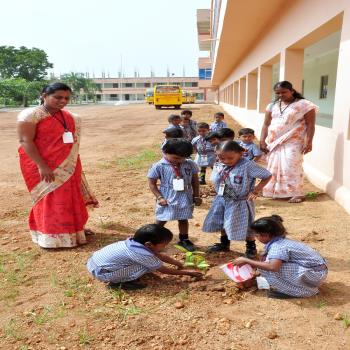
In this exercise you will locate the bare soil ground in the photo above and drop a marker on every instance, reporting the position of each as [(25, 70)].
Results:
[(49, 301)]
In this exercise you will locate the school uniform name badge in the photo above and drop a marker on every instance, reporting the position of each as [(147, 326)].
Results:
[(203, 159), (178, 184), (221, 189), (68, 137)]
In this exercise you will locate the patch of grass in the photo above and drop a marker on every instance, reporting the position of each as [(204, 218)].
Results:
[(84, 337), (76, 286), (13, 330), (10, 295), (54, 279), (24, 347), (105, 165), (130, 310), (119, 294), (346, 321), (47, 314), (321, 304), (12, 269), (144, 158)]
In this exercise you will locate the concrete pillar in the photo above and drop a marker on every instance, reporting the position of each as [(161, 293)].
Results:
[(236, 93), (251, 90), (242, 92), (264, 87), (291, 67), (341, 117)]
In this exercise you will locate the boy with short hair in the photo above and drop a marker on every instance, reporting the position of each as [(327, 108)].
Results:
[(218, 123), (226, 134), (252, 151), (174, 121)]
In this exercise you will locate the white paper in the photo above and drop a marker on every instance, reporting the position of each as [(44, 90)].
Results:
[(262, 283)]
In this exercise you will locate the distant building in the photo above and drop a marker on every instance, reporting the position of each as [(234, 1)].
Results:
[(133, 89), (253, 44)]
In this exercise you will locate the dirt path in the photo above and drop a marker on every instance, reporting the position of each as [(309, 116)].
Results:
[(48, 300)]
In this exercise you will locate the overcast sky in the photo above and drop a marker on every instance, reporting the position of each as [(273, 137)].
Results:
[(96, 35)]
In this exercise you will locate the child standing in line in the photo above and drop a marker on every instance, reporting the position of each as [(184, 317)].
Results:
[(292, 269), (171, 133), (252, 151), (218, 123), (205, 151), (174, 121), (186, 113), (188, 130), (178, 190), (233, 210), (226, 134), (120, 264)]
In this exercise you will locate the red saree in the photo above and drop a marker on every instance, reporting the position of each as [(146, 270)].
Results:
[(59, 213)]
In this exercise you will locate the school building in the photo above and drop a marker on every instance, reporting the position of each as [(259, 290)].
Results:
[(133, 89), (253, 44)]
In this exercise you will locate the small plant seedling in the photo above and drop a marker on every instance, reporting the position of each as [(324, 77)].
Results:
[(194, 259)]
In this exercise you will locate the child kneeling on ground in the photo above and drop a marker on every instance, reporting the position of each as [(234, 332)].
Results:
[(120, 264), (292, 269)]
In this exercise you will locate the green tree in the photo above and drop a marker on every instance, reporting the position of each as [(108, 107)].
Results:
[(80, 85), (29, 64), (20, 90)]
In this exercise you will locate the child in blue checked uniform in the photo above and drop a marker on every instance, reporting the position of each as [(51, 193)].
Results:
[(232, 210), (174, 121), (292, 269), (171, 133), (205, 151), (120, 264), (218, 123), (178, 190), (252, 151)]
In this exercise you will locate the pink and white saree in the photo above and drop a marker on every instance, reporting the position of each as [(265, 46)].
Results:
[(285, 140)]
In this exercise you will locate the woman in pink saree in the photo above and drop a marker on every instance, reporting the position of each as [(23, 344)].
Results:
[(51, 168), (286, 136)]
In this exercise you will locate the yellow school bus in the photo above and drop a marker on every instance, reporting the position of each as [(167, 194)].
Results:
[(185, 97), (149, 96), (167, 96), (191, 97)]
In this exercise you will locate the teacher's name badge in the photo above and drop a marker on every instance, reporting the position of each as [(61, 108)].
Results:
[(68, 137), (178, 185)]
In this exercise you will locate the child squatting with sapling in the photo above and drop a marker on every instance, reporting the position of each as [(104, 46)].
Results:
[(122, 263)]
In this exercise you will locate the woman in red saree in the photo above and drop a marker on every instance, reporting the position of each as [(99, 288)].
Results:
[(286, 136), (51, 167)]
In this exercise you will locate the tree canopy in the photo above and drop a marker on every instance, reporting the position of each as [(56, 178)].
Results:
[(29, 64)]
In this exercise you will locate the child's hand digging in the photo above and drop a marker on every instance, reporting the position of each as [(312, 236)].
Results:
[(193, 273)]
